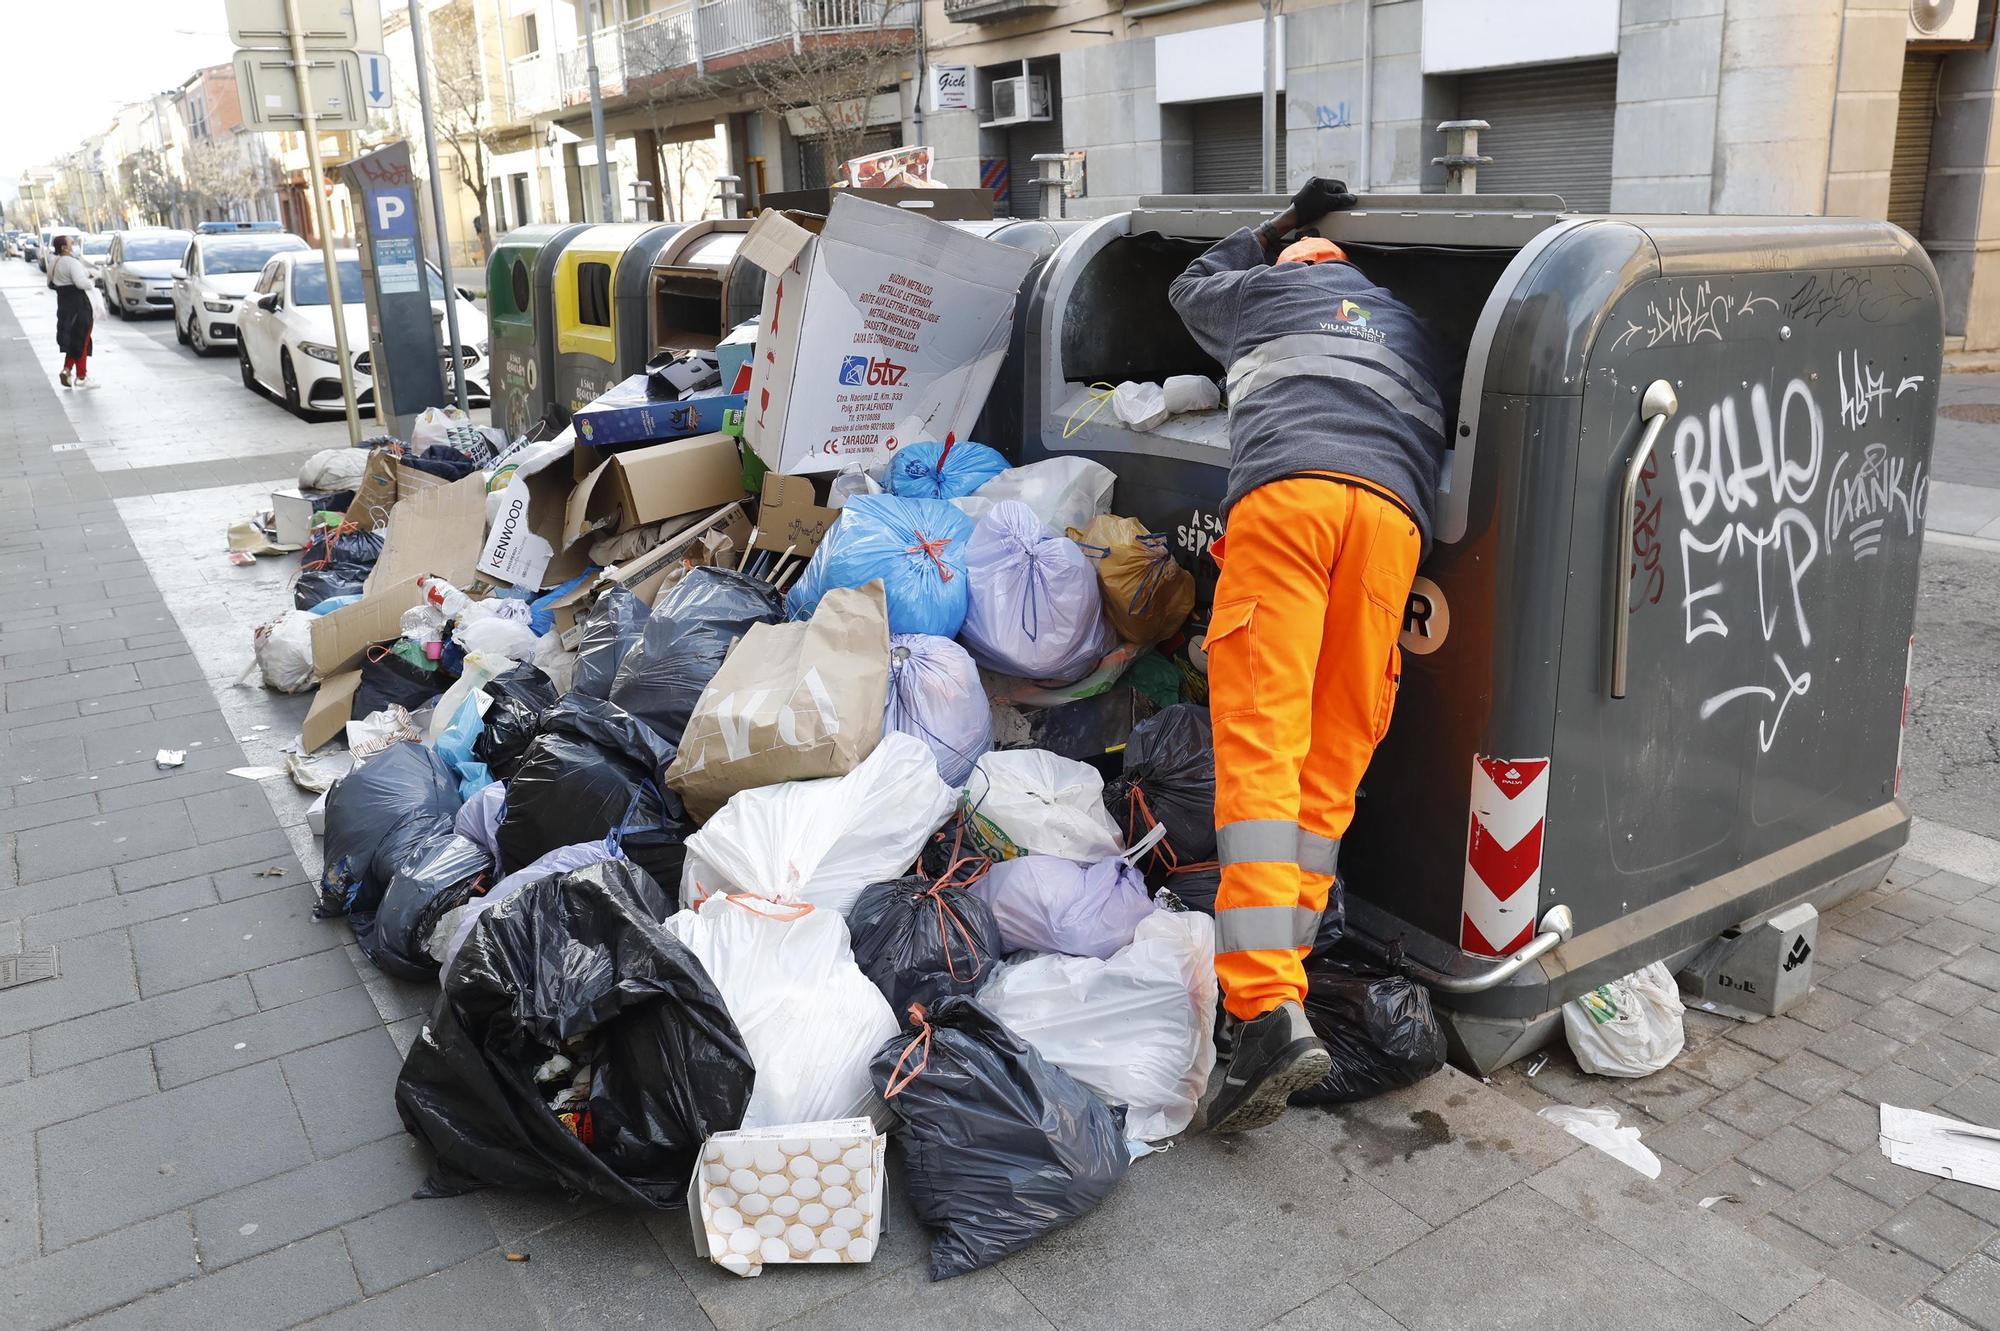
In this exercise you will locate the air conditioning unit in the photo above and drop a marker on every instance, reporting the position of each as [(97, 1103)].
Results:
[(1020, 100), (1942, 20)]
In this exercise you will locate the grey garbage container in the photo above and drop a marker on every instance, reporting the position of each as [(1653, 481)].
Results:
[(1763, 562)]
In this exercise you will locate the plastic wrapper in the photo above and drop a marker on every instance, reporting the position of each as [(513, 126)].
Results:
[(1044, 904), (590, 768), (284, 652), (387, 680), (1629, 1027), (1147, 594), (575, 965), (456, 924), (611, 628), (822, 841), (478, 819), (914, 547), (1378, 1026), (447, 872), (1044, 804), (935, 694), (1001, 1146), (1064, 492), (809, 1017), (1169, 780), (942, 471), (376, 817), (520, 696), (920, 940), (1034, 608), (690, 631), (1137, 1028)]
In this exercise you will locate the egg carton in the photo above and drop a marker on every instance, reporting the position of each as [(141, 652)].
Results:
[(801, 1192)]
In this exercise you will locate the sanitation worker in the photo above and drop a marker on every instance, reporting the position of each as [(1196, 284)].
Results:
[(1337, 434)]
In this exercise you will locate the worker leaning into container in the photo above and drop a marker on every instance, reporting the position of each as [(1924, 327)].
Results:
[(1337, 432)]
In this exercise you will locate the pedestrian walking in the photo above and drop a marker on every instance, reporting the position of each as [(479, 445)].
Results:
[(1337, 435), (75, 316)]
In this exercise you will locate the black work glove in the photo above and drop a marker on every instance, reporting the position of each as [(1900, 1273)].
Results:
[(1319, 197)]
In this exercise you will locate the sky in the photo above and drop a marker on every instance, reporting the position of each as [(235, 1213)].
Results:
[(63, 77)]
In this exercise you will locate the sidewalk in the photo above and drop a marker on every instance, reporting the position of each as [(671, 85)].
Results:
[(196, 1124)]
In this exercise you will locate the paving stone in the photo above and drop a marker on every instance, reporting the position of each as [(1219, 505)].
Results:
[(263, 1294), (1835, 952), (1884, 1272), (1823, 1009), (1757, 1108), (260, 1035), (1808, 1076), (1935, 1232), (1971, 1292), (153, 1155), (1916, 907), (1723, 1064), (1788, 1238), (1754, 1281), (1774, 1038), (1944, 1059), (1981, 966), (1953, 887), (1892, 1185), (1835, 1307), (415, 1238), (344, 1088), (1833, 1212), (93, 973), (13, 1059), (485, 1292), (1865, 983), (116, 910), (1946, 993), (89, 1277), (1750, 1194), (1909, 958), (1906, 870), (1967, 1197), (327, 1193), (27, 816), (1902, 1020), (136, 1025), (1979, 1027), (20, 1226), (1947, 935), (26, 1106), (1928, 1315), (1667, 1096), (604, 1271), (238, 811), (255, 879), (236, 936), (1697, 1141), (1428, 1285), (264, 848), (1873, 926), (301, 978), (1894, 1084), (71, 686), (1792, 1156), (1978, 1101), (1979, 917)]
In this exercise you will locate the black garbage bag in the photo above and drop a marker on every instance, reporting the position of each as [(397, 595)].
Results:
[(336, 561), (611, 628), (520, 696), (1194, 888), (691, 629), (447, 871), (377, 818), (660, 849), (1169, 778), (590, 769), (577, 965), (387, 680), (1378, 1025), (920, 939), (1002, 1145), (442, 461), (953, 852)]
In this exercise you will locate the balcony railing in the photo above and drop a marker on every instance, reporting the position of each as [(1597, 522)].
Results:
[(691, 36)]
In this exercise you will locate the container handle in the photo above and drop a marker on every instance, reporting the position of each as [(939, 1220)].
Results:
[(1555, 929), (1655, 409)]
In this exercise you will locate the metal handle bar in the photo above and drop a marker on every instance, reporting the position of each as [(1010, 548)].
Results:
[(1555, 929), (1655, 408)]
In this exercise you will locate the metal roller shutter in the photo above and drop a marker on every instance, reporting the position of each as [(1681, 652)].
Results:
[(1023, 142), (1551, 130), (1910, 168), (1229, 146)]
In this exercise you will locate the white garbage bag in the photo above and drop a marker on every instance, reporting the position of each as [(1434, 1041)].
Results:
[(935, 694), (1140, 406), (433, 426), (1138, 1029), (1628, 1028), (810, 1019), (1045, 803), (285, 652), (1190, 392), (1065, 492), (822, 841), (332, 470)]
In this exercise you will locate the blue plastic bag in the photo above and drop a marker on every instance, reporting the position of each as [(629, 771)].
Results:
[(454, 745), (943, 471), (915, 547)]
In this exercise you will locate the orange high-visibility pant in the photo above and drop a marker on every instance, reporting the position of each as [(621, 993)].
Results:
[(1302, 674)]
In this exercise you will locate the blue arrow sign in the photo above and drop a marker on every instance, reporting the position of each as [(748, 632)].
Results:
[(376, 78)]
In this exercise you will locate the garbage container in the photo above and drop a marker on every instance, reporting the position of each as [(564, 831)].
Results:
[(688, 282), (1719, 425), (602, 322), (520, 318)]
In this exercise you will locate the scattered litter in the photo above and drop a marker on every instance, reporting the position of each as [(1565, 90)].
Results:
[(273, 872), (1946, 1147), (1630, 1027), (256, 773), (246, 1230), (318, 774), (1708, 1203), (241, 557), (169, 758), (1541, 1061), (517, 1257), (1599, 1128)]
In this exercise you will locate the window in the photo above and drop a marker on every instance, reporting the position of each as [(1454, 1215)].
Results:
[(593, 294), (496, 204), (268, 283), (139, 249), (531, 35), (191, 261), (520, 183), (246, 255)]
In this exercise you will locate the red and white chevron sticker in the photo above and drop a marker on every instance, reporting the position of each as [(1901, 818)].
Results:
[(1503, 854)]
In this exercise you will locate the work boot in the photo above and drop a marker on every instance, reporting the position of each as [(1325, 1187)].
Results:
[(1272, 1056)]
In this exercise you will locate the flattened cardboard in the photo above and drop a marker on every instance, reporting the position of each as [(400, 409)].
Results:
[(643, 574), (331, 709), (437, 529), (787, 515), (384, 483), (340, 638), (291, 517), (654, 483)]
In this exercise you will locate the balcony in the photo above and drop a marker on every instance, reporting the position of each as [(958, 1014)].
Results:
[(993, 11), (692, 38)]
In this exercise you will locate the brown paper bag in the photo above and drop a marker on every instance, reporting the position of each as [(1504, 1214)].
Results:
[(1147, 594), (791, 702)]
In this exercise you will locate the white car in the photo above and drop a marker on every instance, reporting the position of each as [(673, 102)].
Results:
[(285, 334), (138, 273), (92, 248), (214, 276)]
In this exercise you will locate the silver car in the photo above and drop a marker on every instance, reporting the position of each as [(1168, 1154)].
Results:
[(138, 273)]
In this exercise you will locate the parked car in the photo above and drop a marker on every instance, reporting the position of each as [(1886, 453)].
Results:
[(216, 273), (234, 228), (31, 246), (93, 247), (137, 275), (285, 334)]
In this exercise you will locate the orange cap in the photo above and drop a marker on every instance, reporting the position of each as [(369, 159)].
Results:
[(1312, 249)]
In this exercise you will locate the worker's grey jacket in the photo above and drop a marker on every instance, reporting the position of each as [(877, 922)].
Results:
[(1326, 373)]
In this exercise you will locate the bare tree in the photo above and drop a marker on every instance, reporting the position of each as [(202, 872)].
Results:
[(682, 162), (219, 176), (153, 190), (830, 58), (464, 112)]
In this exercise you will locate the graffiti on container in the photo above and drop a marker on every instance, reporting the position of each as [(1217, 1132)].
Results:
[(1689, 315), (1198, 533), (1332, 117), (1873, 496), (1864, 394), (1646, 547), (1872, 296)]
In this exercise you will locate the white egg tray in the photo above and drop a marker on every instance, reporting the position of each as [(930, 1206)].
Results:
[(803, 1192)]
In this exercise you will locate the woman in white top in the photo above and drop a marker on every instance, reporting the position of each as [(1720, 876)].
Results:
[(74, 315)]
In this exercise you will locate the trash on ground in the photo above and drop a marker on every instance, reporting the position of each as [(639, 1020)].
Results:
[(935, 694), (1377, 1024), (1044, 903), (1599, 1128), (1631, 1027), (168, 758), (256, 773), (1934, 1144), (692, 628), (874, 541), (794, 1192)]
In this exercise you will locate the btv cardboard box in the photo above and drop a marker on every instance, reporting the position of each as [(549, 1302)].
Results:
[(635, 411), (884, 329)]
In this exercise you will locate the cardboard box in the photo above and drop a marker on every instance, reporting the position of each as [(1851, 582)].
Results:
[(652, 484), (885, 328), (291, 517), (789, 515), (725, 530), (527, 531), (832, 1170), (734, 351), (635, 411), (386, 481)]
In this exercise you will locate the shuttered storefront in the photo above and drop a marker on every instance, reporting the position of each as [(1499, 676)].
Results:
[(1229, 146), (1551, 130), (1910, 169)]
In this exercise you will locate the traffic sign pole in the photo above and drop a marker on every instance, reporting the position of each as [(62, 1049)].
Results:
[(323, 220), (437, 202)]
